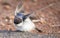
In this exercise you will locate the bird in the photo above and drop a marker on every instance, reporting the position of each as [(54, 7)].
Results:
[(23, 22)]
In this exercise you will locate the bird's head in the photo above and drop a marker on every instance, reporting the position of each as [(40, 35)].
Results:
[(20, 15)]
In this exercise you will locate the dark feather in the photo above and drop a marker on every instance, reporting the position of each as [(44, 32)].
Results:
[(38, 30)]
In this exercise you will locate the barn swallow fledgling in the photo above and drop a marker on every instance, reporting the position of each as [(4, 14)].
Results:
[(23, 22)]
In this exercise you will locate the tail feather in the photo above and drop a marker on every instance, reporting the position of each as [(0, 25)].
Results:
[(38, 30)]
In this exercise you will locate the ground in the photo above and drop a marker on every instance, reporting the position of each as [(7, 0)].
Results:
[(47, 11)]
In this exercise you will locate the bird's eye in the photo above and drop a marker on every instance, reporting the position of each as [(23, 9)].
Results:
[(17, 20)]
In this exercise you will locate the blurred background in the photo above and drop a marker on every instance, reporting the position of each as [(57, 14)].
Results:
[(47, 11)]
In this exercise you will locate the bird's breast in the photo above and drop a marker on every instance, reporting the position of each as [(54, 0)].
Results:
[(28, 25)]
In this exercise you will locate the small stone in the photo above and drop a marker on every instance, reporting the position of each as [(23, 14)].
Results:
[(33, 0), (2, 23), (6, 6), (42, 20), (6, 20), (11, 21), (11, 17)]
